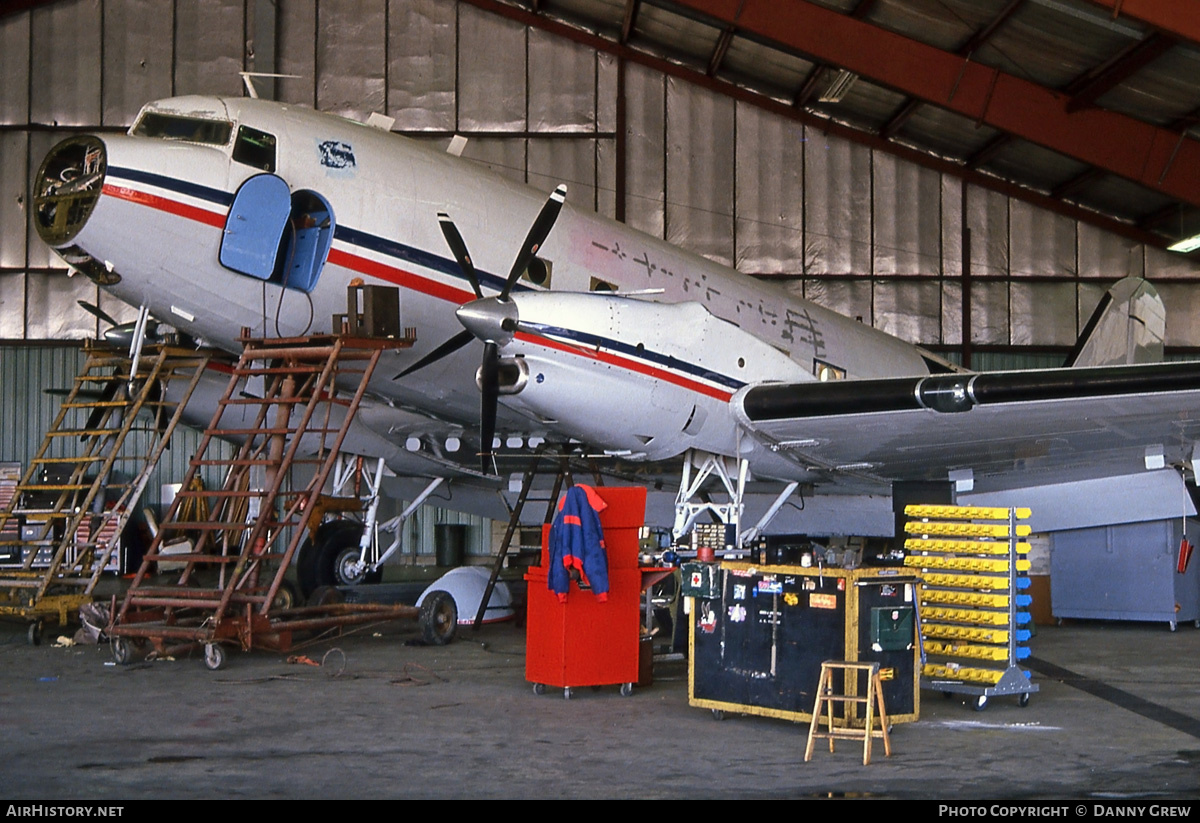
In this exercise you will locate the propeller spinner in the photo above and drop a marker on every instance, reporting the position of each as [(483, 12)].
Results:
[(491, 320)]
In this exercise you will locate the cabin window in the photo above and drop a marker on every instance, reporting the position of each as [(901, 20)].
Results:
[(187, 129), (255, 148)]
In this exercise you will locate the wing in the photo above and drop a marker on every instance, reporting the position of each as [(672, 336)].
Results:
[(1006, 429)]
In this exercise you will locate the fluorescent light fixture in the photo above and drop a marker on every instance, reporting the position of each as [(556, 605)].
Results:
[(1186, 245), (838, 87)]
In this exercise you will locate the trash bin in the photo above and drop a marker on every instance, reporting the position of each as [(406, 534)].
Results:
[(450, 543)]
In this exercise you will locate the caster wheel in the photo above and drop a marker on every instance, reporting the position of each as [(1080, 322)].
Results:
[(539, 689), (980, 703), (214, 656), (122, 652), (567, 693), (626, 689), (718, 714), (35, 633), (1023, 700), (947, 695)]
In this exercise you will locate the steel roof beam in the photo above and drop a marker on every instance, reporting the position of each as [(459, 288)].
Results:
[(1178, 17), (1146, 154), (632, 7), (1085, 89)]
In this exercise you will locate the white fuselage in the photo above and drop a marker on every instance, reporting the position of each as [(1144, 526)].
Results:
[(162, 217)]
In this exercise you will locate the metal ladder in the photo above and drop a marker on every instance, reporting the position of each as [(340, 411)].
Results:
[(281, 404), (78, 492)]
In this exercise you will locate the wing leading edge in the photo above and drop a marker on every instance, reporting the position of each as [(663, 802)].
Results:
[(1010, 429)]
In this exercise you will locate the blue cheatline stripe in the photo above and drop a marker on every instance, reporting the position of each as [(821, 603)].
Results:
[(664, 361), (218, 196)]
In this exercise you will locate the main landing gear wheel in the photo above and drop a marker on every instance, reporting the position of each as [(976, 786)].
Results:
[(438, 618), (214, 656), (328, 558)]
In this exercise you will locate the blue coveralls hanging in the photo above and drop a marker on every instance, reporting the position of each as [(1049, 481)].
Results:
[(577, 542)]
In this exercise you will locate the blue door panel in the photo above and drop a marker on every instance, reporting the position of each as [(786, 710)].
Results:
[(255, 226)]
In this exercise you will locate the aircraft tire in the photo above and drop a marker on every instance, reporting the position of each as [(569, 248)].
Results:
[(438, 618), (335, 546)]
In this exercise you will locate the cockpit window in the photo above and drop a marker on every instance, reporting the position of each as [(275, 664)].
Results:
[(255, 148), (189, 129)]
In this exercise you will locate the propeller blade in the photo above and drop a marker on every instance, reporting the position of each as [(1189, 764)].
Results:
[(489, 386), (96, 311), (537, 235), (449, 347), (459, 248)]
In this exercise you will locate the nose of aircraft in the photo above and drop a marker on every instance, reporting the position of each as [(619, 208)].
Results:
[(490, 319), (67, 187)]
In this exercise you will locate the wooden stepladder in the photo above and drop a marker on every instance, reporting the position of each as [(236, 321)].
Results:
[(841, 728)]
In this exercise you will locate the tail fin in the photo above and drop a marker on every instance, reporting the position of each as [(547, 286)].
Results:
[(1127, 327)]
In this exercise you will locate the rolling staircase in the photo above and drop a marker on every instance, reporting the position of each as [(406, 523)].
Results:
[(60, 524), (289, 404)]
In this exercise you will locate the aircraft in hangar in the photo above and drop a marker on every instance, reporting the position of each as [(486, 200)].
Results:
[(216, 214)]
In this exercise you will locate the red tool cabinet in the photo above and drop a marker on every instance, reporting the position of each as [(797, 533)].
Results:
[(583, 642)]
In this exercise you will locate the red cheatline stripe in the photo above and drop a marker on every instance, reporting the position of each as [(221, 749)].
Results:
[(630, 365), (400, 277), (163, 204)]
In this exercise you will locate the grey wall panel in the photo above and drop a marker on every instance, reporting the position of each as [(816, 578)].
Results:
[(606, 176), (65, 53), (351, 48), (952, 306), (1160, 264), (14, 68), (1102, 254), (770, 193), (700, 180), (1042, 243), (491, 72), (296, 52), (138, 50), (837, 205), (422, 64), (606, 93), (989, 313), (1182, 301), (645, 164), (503, 155), (906, 214), (562, 84), (1042, 314), (209, 46), (12, 308), (851, 297), (14, 197), (565, 161), (909, 310), (952, 226), (53, 313), (987, 218)]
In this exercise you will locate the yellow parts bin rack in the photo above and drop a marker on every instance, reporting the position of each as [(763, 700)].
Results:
[(974, 609)]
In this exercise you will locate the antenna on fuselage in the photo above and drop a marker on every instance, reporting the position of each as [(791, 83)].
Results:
[(248, 75)]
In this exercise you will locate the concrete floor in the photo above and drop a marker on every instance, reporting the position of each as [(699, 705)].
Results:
[(1118, 717)]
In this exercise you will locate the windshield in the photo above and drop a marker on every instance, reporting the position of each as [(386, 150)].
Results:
[(178, 127)]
